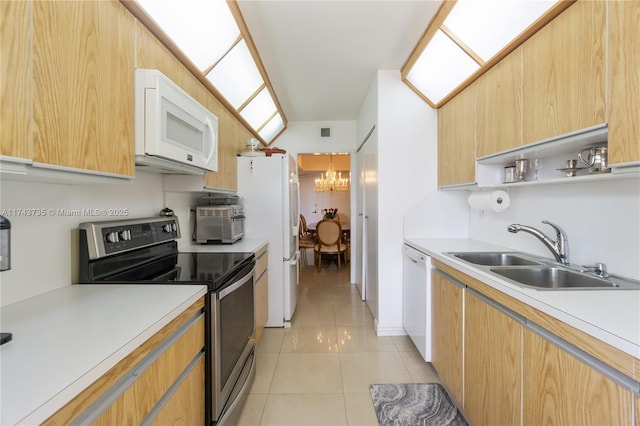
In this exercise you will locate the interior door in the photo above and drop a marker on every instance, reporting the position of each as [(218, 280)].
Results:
[(361, 241), (370, 244), (360, 257), (367, 223)]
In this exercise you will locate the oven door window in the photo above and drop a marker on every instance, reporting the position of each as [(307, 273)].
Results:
[(236, 327)]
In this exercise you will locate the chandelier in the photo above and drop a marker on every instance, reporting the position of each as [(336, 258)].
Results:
[(331, 180)]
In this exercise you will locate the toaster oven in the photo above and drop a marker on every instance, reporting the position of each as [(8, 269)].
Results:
[(219, 224)]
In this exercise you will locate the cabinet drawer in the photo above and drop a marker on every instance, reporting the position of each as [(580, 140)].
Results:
[(261, 264), (186, 405), (167, 353), (136, 402), (262, 303)]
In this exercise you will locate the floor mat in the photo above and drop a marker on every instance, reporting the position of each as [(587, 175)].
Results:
[(414, 404)]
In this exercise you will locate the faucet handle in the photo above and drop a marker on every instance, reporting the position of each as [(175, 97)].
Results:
[(599, 269), (559, 231)]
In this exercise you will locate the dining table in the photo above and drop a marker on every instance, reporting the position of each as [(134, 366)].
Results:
[(346, 229)]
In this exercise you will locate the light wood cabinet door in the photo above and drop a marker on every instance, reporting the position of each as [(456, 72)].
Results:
[(564, 73), (560, 389), (447, 317), (499, 106), (140, 380), (492, 364), (83, 107), (186, 405), (456, 140), (15, 79), (624, 81), (138, 400), (262, 304)]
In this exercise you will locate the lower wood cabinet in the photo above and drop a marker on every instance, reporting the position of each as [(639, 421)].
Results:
[(503, 368), (447, 315), (161, 382), (560, 389), (261, 286), (492, 363), (185, 406)]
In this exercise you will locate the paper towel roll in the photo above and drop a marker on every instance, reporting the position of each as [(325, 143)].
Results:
[(496, 201)]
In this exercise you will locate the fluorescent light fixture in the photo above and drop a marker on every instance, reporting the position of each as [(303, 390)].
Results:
[(487, 26), (236, 76), (259, 110), (470, 36), (203, 30), (442, 66), (207, 32), (272, 128)]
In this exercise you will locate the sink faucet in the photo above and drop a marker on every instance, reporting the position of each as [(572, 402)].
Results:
[(559, 248)]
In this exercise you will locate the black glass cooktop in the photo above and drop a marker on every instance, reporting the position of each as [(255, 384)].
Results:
[(150, 267)]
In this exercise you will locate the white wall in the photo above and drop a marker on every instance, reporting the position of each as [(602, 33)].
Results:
[(312, 202), (407, 170), (303, 137), (44, 248), (601, 219)]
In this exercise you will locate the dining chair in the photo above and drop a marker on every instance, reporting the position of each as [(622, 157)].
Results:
[(306, 240), (329, 241)]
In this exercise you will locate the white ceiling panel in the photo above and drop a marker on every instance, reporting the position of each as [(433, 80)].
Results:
[(321, 56)]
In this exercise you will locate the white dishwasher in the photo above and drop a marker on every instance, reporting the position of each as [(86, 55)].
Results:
[(416, 298)]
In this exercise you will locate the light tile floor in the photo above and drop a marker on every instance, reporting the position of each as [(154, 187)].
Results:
[(318, 371)]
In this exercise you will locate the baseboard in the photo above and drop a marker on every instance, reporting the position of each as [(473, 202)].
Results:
[(390, 331)]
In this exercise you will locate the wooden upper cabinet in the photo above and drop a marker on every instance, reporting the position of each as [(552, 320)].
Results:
[(624, 81), (561, 390), (499, 106), (564, 73), (83, 81), (15, 79), (456, 139)]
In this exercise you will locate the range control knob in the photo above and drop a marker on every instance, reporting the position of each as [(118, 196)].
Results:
[(174, 227), (125, 235), (112, 237), (167, 227)]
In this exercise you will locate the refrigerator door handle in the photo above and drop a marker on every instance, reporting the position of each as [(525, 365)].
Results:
[(294, 260)]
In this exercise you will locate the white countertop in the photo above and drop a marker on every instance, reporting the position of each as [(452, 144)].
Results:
[(65, 339), (612, 316), (244, 245)]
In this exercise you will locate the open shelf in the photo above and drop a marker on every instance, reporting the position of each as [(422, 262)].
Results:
[(552, 155)]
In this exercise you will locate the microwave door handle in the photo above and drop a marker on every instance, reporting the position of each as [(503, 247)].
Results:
[(209, 124)]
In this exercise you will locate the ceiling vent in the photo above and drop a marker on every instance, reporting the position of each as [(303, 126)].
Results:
[(325, 132)]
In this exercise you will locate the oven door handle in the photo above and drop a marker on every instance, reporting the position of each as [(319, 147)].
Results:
[(226, 291)]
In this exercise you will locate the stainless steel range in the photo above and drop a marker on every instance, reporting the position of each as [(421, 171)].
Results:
[(143, 251)]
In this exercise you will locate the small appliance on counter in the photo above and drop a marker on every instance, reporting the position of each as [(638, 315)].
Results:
[(219, 220)]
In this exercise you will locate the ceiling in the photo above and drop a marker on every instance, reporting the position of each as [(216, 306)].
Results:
[(322, 55)]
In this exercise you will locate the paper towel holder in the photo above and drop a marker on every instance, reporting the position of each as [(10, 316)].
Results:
[(496, 201)]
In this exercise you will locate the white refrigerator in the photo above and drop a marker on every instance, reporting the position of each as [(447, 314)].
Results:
[(269, 189)]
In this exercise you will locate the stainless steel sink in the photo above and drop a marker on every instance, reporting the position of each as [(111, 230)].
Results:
[(494, 259), (553, 278)]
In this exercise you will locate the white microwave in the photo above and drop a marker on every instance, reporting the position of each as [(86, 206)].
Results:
[(173, 132)]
